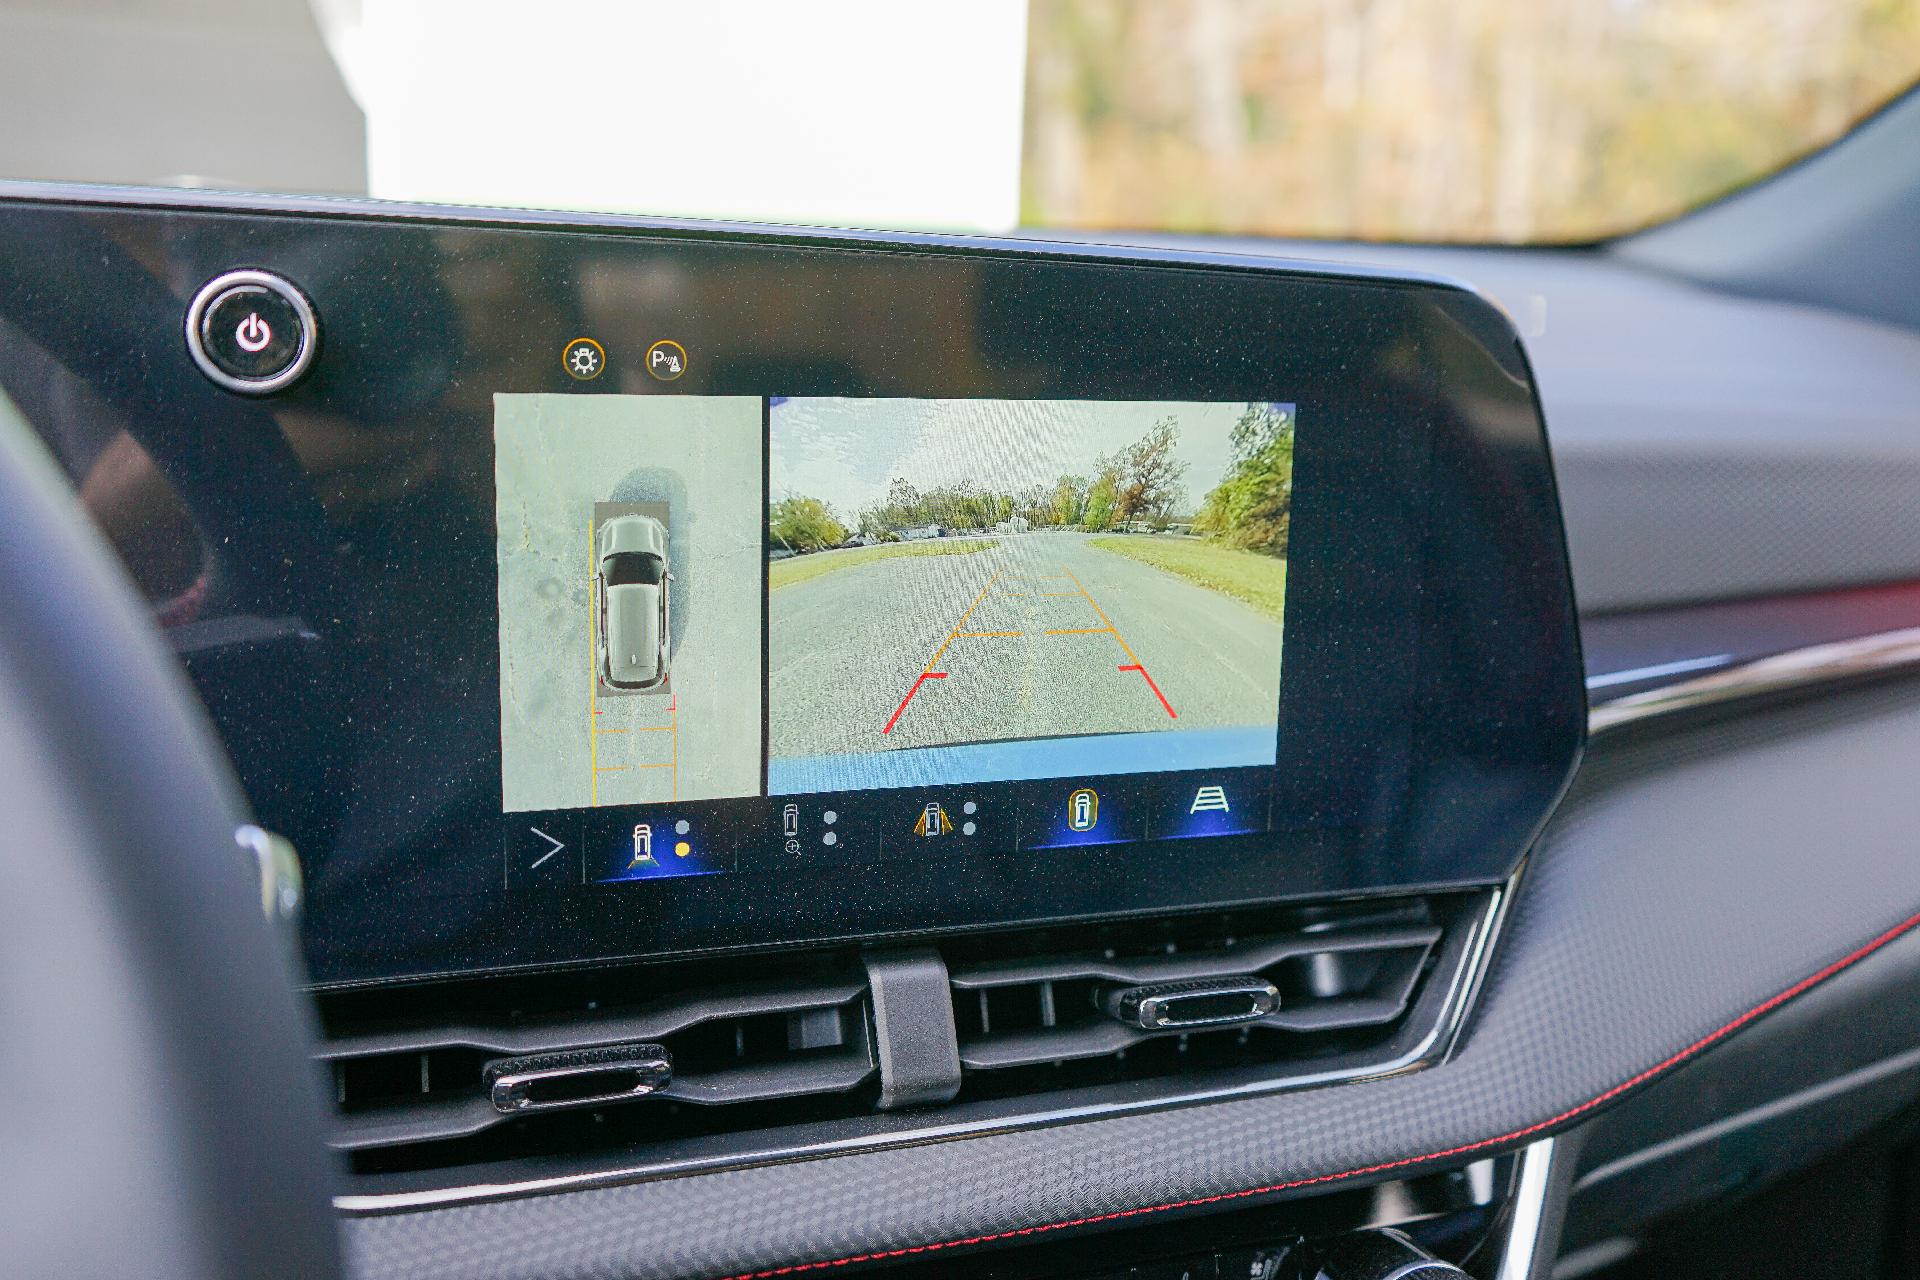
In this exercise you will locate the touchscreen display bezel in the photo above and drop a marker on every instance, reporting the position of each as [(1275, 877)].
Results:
[(1431, 708)]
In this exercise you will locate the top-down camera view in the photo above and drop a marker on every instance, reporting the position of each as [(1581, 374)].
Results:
[(629, 600), (1021, 640)]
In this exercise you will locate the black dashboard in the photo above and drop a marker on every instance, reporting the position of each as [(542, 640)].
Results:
[(884, 750)]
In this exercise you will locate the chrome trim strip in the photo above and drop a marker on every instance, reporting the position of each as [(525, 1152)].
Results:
[(1155, 1006), (1795, 670), (1524, 1233), (1772, 1109), (1434, 1047), (1634, 675)]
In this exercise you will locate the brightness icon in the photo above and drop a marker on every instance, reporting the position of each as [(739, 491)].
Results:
[(584, 359)]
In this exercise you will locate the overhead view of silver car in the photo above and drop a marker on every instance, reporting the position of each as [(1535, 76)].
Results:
[(632, 583)]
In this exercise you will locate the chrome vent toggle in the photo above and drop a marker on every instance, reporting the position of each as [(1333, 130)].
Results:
[(580, 1078), (1192, 1005)]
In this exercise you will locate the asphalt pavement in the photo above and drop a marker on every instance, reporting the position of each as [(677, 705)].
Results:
[(1042, 636)]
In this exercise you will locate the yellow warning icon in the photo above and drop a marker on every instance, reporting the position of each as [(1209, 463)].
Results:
[(933, 821)]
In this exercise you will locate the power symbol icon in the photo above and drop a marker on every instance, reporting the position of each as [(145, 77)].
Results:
[(253, 333)]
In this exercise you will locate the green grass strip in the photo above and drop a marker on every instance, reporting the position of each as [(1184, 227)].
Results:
[(1247, 576)]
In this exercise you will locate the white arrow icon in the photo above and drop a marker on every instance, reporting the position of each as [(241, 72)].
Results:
[(558, 845)]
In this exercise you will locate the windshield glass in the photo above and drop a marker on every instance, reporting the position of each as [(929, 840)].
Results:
[(1429, 120)]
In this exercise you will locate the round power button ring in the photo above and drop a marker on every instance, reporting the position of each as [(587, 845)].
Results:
[(252, 332)]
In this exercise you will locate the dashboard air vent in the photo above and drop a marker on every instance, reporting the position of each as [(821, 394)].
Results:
[(473, 1087), (405, 1085), (1267, 997)]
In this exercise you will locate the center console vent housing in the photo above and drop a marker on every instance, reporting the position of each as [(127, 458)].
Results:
[(650, 1070), (1331, 984), (1344, 983)]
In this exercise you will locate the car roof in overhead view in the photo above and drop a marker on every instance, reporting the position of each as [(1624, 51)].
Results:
[(632, 534)]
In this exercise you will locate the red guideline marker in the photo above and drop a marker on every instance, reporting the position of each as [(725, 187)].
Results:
[(1171, 713), (924, 677)]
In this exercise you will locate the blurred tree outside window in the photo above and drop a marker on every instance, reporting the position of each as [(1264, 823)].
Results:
[(1546, 121), (1436, 120)]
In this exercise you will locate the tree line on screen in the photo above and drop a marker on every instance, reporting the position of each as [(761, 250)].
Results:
[(1139, 488)]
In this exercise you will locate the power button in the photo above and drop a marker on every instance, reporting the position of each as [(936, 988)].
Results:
[(251, 331)]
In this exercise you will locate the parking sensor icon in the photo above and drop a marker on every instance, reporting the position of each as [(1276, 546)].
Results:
[(666, 360)]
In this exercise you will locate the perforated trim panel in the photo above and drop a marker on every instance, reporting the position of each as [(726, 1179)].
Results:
[(1688, 881)]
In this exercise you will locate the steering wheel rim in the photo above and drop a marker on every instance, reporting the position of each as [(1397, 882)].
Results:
[(165, 1119)]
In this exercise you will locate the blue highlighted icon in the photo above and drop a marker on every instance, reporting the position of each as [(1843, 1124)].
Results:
[(1209, 806), (660, 847), (1083, 810), (1071, 816)]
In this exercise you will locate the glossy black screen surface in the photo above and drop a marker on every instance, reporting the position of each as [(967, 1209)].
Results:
[(325, 560)]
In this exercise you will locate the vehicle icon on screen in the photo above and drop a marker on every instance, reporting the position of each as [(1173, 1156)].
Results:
[(1083, 809), (933, 821), (634, 617)]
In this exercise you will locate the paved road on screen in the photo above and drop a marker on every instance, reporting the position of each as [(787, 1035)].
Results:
[(1042, 636)]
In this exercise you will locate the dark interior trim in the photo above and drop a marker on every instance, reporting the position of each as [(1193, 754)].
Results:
[(1483, 1146)]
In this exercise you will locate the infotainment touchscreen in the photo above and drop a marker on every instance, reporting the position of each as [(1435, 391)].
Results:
[(708, 598), (624, 591)]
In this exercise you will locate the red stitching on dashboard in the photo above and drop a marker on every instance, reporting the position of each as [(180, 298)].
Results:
[(1599, 1100)]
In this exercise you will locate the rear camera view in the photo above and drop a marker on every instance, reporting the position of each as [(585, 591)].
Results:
[(978, 590), (630, 561)]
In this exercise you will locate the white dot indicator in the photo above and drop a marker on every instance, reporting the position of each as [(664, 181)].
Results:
[(829, 817), (967, 828), (969, 807), (830, 839), (682, 827)]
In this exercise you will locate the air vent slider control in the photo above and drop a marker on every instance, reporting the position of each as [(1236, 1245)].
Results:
[(577, 1077), (1194, 1004)]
